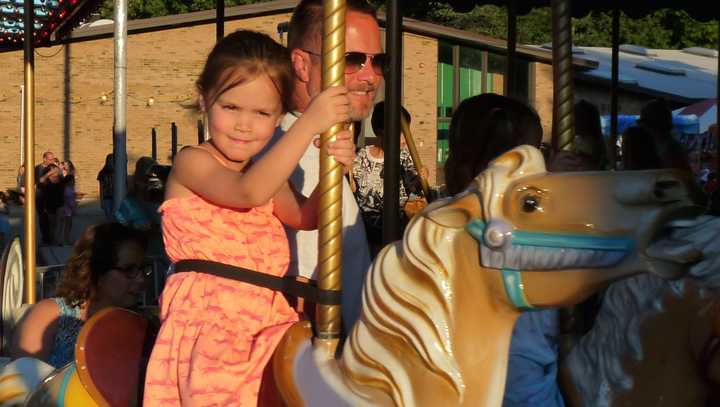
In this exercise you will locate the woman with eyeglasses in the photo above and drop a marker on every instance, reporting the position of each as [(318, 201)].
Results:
[(106, 269)]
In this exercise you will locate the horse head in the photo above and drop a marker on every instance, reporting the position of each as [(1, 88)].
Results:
[(439, 306)]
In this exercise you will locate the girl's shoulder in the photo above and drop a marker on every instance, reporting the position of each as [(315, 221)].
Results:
[(203, 153)]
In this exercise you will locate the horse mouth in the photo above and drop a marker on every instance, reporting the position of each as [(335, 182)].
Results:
[(549, 258), (504, 248), (664, 254)]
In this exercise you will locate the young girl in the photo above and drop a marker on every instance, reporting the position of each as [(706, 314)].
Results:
[(218, 334)]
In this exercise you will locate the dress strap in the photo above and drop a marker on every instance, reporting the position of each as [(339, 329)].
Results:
[(210, 149), (65, 309)]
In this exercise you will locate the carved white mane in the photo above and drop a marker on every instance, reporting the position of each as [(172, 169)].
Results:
[(416, 295), (626, 305)]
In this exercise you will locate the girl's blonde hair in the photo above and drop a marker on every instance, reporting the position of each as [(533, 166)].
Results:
[(240, 57)]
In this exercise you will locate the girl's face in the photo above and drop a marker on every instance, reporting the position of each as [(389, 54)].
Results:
[(125, 282), (243, 118)]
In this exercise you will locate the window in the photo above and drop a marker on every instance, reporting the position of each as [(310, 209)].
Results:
[(464, 72)]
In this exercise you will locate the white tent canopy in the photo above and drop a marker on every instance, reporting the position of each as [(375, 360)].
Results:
[(706, 112)]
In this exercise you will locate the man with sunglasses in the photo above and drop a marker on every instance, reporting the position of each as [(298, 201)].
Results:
[(363, 75)]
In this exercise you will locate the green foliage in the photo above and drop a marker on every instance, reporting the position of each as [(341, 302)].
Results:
[(156, 8), (661, 29)]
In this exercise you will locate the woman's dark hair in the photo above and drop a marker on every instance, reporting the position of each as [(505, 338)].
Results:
[(482, 128), (378, 118), (589, 139), (241, 57), (93, 256), (638, 150), (70, 177)]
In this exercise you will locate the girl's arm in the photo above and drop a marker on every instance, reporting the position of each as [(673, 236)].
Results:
[(298, 212), (198, 171), (36, 334)]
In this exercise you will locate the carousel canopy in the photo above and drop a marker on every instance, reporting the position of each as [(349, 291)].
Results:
[(52, 19), (699, 10)]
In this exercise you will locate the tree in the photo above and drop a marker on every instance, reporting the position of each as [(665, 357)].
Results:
[(156, 8), (661, 29)]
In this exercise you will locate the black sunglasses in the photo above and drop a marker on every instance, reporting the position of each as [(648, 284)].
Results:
[(133, 271), (355, 61)]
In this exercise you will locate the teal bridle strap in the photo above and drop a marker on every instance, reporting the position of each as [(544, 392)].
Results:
[(515, 290), (502, 237), (555, 240)]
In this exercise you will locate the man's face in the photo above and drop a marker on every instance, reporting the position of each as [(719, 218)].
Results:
[(362, 35), (48, 159)]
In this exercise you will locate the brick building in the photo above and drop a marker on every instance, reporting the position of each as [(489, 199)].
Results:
[(74, 82)]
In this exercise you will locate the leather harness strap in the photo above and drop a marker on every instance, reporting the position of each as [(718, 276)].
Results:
[(286, 285)]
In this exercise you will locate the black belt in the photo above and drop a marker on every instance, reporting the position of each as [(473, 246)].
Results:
[(286, 285)]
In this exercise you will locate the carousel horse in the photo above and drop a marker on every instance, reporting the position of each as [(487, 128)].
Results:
[(654, 342), (439, 306)]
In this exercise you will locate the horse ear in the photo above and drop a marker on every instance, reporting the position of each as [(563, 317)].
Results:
[(523, 159), (455, 213)]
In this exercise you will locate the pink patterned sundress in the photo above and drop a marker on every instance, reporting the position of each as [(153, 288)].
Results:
[(217, 335)]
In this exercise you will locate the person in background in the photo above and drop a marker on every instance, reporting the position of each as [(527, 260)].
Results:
[(52, 187), (589, 141), (67, 211), (364, 68), (656, 119), (20, 184), (41, 182), (5, 227), (106, 269), (136, 210), (637, 150), (482, 128), (368, 176), (105, 180)]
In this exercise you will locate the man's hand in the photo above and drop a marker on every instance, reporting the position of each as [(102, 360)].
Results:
[(342, 149)]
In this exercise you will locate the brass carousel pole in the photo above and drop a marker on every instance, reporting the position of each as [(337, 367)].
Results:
[(29, 140), (614, 80), (391, 141), (410, 140), (563, 127), (331, 175), (563, 131)]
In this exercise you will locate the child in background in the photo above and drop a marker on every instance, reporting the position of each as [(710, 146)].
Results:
[(218, 334)]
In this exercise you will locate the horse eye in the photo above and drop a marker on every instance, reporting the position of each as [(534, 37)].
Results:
[(530, 203)]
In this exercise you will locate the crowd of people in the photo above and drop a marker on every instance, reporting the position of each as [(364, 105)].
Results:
[(248, 198)]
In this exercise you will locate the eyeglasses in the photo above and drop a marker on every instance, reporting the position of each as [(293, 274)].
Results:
[(132, 271), (355, 61)]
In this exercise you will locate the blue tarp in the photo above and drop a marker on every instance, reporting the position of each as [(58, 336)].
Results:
[(682, 124)]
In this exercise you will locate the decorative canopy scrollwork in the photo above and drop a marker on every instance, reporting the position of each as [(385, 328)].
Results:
[(52, 19)]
